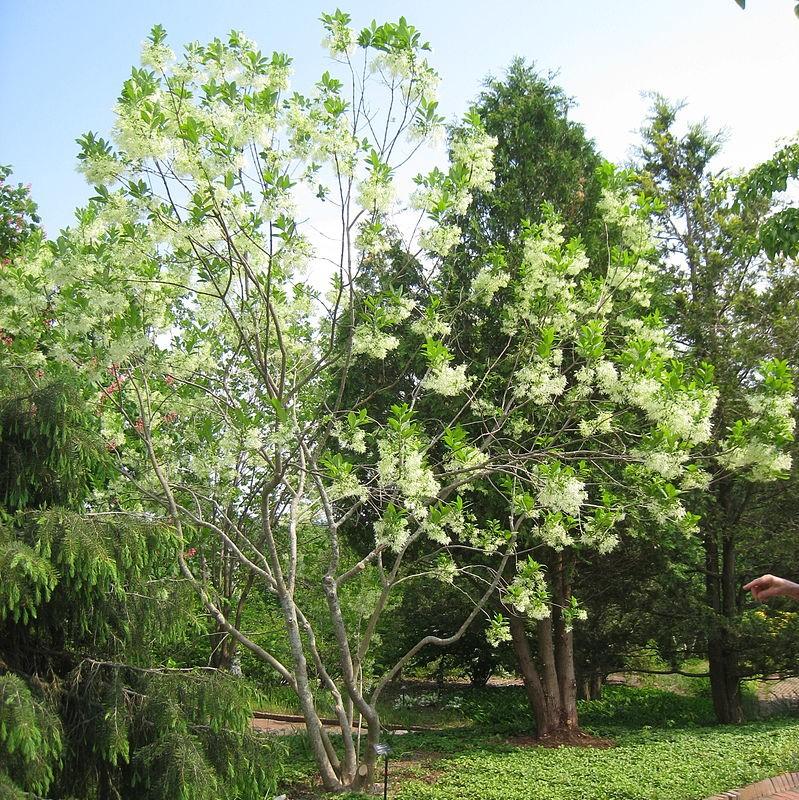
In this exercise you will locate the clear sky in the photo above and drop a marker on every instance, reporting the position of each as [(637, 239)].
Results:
[(62, 64)]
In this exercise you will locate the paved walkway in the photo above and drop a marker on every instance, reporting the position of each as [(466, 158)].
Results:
[(781, 787)]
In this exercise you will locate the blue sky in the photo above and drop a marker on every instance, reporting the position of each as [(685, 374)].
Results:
[(62, 65)]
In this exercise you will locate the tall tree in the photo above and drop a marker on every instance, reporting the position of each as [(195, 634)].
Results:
[(725, 300), (543, 160)]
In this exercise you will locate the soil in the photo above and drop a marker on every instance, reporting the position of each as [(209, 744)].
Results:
[(563, 739)]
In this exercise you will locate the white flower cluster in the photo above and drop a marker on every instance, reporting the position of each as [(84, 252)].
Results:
[(498, 631), (376, 194), (474, 148), (372, 343), (392, 530), (340, 40), (156, 56), (446, 380), (528, 592), (437, 194), (539, 381), (684, 414), (758, 445), (762, 460), (467, 457), (573, 613), (418, 78), (398, 309), (446, 570), (591, 426), (616, 209), (347, 485), (349, 438), (99, 170), (440, 239), (431, 326), (668, 463), (553, 532), (402, 466), (696, 478), (601, 539), (607, 376), (670, 511), (487, 283), (372, 240), (561, 492)]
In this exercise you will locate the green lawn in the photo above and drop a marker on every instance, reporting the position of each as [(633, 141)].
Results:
[(665, 750)]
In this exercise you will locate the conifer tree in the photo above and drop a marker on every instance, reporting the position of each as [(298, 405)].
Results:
[(90, 603)]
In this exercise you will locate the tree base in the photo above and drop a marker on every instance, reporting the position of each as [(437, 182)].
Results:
[(570, 737)]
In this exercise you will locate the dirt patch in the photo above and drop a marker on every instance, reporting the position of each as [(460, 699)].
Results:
[(563, 739), (283, 727), (415, 766)]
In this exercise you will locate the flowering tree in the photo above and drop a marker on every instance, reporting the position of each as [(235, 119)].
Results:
[(229, 337)]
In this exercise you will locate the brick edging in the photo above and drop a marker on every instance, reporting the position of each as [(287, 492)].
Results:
[(780, 783)]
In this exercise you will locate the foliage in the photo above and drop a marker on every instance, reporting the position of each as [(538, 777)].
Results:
[(780, 232), (18, 217), (685, 764), (725, 300), (665, 750), (84, 600), (89, 597)]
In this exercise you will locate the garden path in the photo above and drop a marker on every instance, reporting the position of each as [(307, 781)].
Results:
[(780, 787)]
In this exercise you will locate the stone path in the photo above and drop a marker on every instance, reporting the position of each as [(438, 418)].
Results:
[(781, 787)]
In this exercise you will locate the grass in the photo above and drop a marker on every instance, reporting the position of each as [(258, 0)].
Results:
[(666, 749)]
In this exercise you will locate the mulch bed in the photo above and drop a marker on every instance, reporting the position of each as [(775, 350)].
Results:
[(576, 738)]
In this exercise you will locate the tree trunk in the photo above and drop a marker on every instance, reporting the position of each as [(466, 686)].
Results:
[(550, 680), (549, 670), (721, 587), (545, 719), (223, 650), (564, 644), (365, 773)]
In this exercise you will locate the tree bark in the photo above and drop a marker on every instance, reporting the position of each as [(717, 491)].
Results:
[(564, 645), (725, 687), (545, 720)]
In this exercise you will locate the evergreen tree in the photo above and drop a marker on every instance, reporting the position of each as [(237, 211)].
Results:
[(732, 305), (90, 603)]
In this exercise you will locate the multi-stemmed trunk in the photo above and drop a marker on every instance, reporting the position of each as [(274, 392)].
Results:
[(549, 679)]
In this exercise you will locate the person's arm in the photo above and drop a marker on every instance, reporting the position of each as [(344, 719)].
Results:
[(771, 586)]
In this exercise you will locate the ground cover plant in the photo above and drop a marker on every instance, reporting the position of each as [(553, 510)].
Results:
[(666, 747)]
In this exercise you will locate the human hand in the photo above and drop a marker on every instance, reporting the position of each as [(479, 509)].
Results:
[(771, 586)]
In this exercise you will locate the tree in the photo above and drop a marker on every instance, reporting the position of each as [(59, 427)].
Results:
[(185, 293), (541, 155), (779, 233), (88, 598), (18, 217), (725, 300)]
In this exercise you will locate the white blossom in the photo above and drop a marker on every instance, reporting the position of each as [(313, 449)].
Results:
[(446, 380)]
